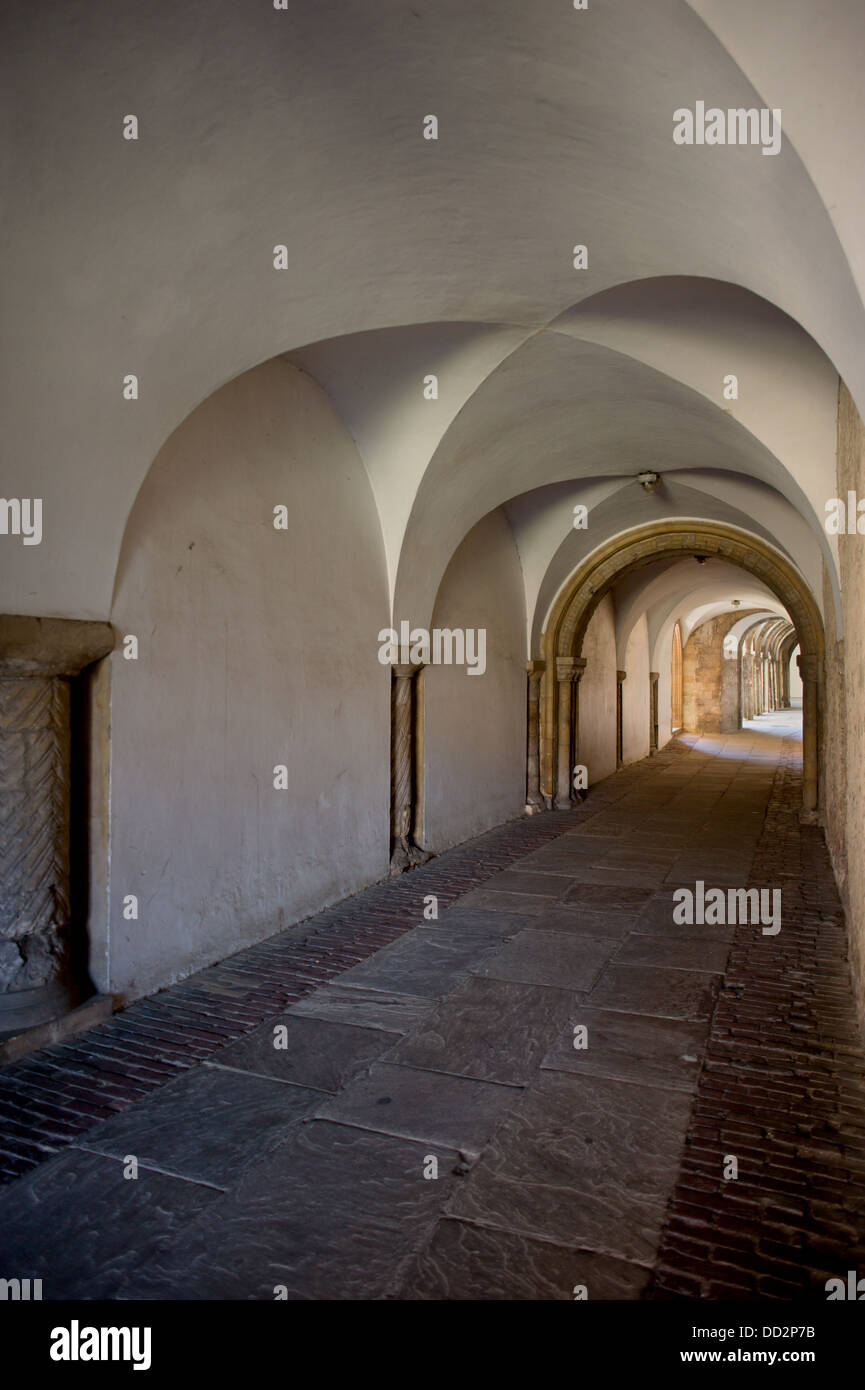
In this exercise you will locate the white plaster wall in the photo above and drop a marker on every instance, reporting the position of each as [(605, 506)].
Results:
[(598, 694), (475, 725), (257, 647), (635, 695)]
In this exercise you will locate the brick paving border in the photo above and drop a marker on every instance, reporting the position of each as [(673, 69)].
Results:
[(53, 1096), (782, 1088)]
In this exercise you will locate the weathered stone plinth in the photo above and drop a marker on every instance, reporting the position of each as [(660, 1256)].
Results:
[(38, 658)]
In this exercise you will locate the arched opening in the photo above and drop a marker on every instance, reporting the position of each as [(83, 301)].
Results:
[(573, 609), (676, 680)]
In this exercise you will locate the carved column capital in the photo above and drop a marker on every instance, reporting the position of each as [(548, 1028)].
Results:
[(570, 668), (621, 676)]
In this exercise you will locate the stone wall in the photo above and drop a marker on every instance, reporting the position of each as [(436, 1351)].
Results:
[(711, 680), (844, 711)]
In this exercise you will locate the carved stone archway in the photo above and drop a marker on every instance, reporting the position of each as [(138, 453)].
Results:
[(576, 602)]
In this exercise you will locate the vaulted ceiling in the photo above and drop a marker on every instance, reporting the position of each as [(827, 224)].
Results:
[(409, 258)]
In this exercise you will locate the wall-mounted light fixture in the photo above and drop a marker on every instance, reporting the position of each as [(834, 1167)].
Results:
[(648, 481)]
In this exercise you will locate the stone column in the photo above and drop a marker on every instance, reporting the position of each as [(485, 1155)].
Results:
[(760, 667), (568, 670), (760, 684), (654, 677), (621, 677), (534, 800), (810, 668), (38, 658), (403, 769)]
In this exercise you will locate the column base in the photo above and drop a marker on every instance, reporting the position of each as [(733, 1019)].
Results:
[(406, 855), (559, 805), (22, 1009), (809, 817), (534, 808), (94, 1010)]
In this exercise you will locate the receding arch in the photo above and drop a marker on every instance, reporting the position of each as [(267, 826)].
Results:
[(632, 550)]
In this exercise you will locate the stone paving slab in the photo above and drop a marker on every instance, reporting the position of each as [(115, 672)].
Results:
[(586, 838), (682, 950), (364, 1008), (489, 1029), (330, 1215), (429, 1106), (664, 993), (583, 1161), (312, 1052), (616, 897), (535, 884), (549, 958), (632, 1047), (423, 962), (620, 876), (80, 1226), (579, 921), (465, 1261), (206, 1126), (656, 918)]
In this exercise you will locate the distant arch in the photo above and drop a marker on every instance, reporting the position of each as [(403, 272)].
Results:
[(632, 550)]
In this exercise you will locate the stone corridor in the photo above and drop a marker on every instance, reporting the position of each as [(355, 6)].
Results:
[(377, 1105)]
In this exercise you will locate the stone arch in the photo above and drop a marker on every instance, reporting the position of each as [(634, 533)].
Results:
[(632, 550), (761, 675)]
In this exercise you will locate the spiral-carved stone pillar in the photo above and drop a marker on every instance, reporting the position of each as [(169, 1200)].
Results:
[(38, 658), (403, 763)]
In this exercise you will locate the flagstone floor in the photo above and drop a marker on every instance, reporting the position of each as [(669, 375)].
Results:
[(420, 1121)]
